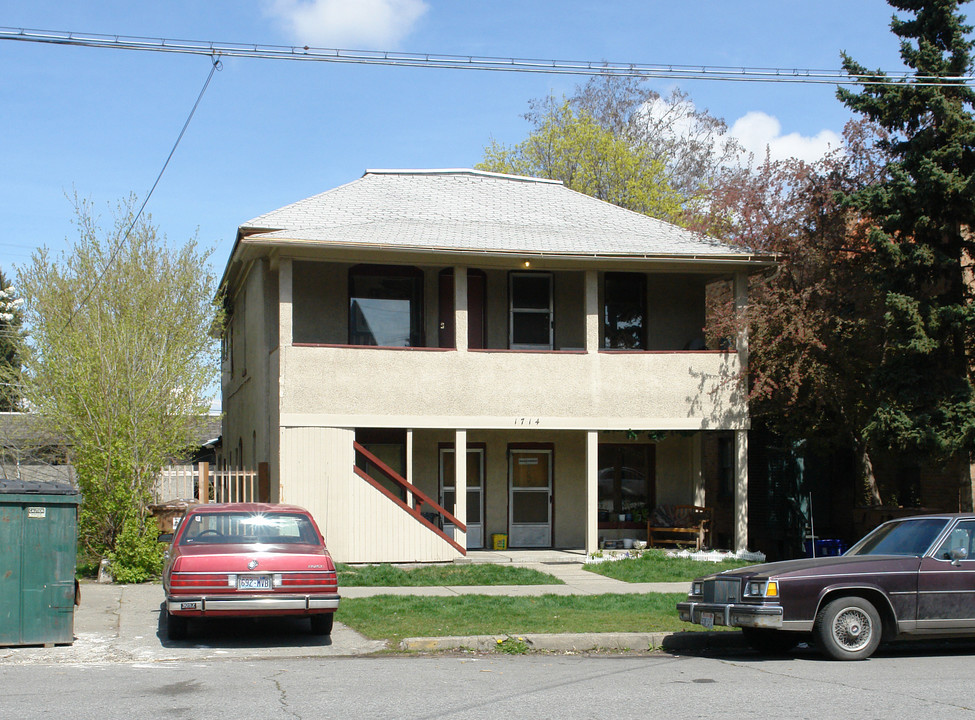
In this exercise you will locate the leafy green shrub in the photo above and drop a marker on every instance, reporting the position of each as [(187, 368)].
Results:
[(138, 556)]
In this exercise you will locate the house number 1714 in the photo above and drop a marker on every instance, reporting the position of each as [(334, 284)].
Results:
[(528, 421)]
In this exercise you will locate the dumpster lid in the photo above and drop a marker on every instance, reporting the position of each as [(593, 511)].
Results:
[(35, 487)]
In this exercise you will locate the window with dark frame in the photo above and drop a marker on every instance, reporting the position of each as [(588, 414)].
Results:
[(386, 306), (531, 311), (627, 484), (625, 311)]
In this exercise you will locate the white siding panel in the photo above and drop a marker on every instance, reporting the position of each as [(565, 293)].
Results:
[(360, 524)]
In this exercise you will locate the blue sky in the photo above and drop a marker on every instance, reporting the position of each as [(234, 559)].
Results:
[(269, 133)]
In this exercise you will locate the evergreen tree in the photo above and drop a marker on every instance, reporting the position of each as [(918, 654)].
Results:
[(11, 321), (922, 218)]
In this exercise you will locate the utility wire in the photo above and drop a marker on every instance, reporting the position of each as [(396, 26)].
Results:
[(473, 62), (215, 65)]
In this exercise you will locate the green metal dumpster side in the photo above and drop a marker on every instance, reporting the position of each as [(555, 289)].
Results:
[(38, 546)]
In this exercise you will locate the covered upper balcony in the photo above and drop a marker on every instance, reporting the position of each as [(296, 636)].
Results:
[(441, 292), (550, 347)]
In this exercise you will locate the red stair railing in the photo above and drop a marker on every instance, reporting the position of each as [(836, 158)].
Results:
[(419, 497)]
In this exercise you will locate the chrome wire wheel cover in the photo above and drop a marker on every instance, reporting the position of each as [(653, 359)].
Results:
[(852, 628)]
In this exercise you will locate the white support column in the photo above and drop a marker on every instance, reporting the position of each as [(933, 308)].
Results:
[(460, 308), (285, 319), (592, 491), (741, 489), (460, 484), (741, 436), (592, 311), (697, 469), (409, 464)]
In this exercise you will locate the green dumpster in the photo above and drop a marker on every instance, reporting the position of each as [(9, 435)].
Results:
[(38, 545)]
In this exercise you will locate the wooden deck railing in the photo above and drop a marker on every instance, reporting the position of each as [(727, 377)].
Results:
[(206, 484), (415, 501)]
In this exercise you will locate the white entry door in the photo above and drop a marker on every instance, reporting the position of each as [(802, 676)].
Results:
[(530, 497), (475, 493)]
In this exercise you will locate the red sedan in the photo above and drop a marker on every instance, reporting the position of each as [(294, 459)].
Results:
[(249, 560)]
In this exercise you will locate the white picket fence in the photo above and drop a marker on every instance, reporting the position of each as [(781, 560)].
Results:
[(201, 483)]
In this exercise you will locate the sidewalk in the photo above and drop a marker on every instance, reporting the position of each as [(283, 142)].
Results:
[(123, 624)]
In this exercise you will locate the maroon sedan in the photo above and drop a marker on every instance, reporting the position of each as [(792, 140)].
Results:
[(248, 560), (913, 577)]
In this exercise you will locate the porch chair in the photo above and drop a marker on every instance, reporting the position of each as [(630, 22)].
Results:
[(679, 525)]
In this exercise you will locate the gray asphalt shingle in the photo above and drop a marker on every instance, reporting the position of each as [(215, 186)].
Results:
[(470, 210)]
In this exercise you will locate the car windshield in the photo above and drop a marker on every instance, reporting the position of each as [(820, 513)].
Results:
[(219, 528), (905, 537)]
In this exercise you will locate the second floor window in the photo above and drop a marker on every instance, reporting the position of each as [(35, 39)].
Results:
[(386, 306), (625, 311), (531, 311)]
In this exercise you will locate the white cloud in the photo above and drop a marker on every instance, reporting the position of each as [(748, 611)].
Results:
[(362, 24), (757, 131)]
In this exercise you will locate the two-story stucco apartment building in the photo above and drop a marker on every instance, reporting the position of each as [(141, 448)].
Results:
[(380, 329)]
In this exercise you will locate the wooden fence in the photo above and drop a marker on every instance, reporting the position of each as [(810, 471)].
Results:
[(205, 484)]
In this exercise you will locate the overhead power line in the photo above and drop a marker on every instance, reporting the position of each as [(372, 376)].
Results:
[(474, 62), (125, 236)]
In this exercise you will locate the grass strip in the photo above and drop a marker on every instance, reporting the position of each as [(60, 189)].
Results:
[(386, 575), (392, 618), (658, 566)]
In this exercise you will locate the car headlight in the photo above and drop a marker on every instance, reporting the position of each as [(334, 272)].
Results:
[(697, 588), (761, 589)]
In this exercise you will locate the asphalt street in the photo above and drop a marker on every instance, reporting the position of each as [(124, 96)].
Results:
[(896, 683)]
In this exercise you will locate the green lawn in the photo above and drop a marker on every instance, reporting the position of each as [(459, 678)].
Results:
[(657, 566), (392, 618), (473, 574)]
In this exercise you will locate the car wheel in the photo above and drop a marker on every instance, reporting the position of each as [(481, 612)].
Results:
[(770, 642), (322, 624), (176, 627), (848, 628)]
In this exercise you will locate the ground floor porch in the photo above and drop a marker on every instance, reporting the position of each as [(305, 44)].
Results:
[(529, 489)]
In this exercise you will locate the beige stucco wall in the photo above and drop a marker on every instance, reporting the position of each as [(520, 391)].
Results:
[(247, 398), (417, 388)]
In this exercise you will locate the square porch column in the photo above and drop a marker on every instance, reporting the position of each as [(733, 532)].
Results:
[(592, 311), (285, 315), (460, 479), (741, 436), (592, 491), (741, 490), (460, 311)]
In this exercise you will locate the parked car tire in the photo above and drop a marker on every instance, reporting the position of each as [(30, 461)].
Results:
[(322, 624), (176, 627), (770, 642), (848, 628)]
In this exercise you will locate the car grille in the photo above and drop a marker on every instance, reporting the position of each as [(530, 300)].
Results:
[(722, 590)]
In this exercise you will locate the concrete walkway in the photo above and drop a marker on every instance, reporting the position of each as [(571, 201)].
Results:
[(566, 566), (124, 623)]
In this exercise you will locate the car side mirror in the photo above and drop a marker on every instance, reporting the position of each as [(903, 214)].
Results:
[(958, 554), (165, 537)]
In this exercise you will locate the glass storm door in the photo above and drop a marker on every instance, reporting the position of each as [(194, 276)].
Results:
[(475, 493), (530, 498)]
